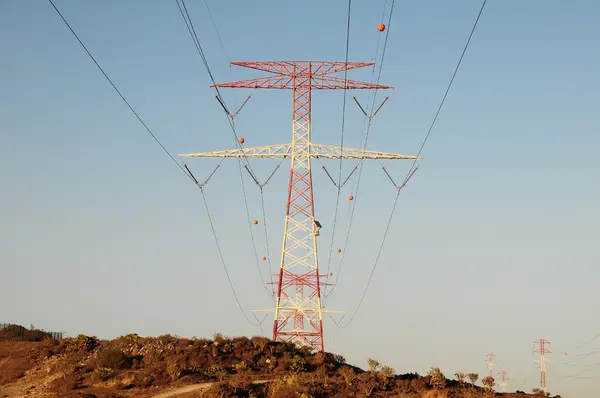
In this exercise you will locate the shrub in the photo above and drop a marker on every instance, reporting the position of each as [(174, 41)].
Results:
[(216, 371), (297, 363), (240, 382), (339, 359), (373, 365), (386, 372), (436, 378), (367, 384), (348, 374), (473, 377), (174, 368), (82, 342), (240, 367), (488, 382), (112, 357)]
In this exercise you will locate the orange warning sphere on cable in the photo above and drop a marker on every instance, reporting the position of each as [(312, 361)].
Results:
[(381, 27), (350, 197), (339, 250), (331, 274), (255, 222), (241, 140), (264, 258)]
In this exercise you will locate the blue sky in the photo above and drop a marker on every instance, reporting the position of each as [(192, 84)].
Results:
[(492, 244)]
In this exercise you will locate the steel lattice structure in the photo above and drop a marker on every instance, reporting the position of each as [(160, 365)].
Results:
[(298, 312), (544, 348), (503, 380)]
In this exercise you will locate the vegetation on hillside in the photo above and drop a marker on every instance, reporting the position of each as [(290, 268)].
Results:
[(225, 367)]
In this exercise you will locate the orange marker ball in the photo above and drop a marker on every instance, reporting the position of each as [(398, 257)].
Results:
[(264, 258), (339, 250), (255, 222), (350, 197), (241, 140), (381, 27)]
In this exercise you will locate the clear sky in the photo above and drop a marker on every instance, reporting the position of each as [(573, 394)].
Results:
[(492, 246)]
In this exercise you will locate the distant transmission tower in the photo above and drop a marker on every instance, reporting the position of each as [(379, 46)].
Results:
[(298, 312), (543, 349), (490, 362), (503, 380)]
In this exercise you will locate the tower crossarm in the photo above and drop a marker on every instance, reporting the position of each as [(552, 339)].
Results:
[(277, 151), (320, 151), (336, 152), (316, 82), (290, 67)]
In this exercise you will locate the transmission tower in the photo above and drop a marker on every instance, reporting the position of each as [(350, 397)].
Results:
[(503, 380), (543, 349), (298, 312), (490, 362)]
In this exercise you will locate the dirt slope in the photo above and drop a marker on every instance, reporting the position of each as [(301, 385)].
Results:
[(167, 366)]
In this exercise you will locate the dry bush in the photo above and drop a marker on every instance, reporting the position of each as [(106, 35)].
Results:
[(386, 372), (436, 378), (288, 386), (460, 376), (240, 381), (82, 343), (488, 382), (339, 359), (297, 363), (473, 377), (174, 368), (216, 372), (367, 384), (112, 357), (373, 365), (260, 342), (348, 374)]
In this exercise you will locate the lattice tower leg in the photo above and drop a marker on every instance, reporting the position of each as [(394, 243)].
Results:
[(298, 291)]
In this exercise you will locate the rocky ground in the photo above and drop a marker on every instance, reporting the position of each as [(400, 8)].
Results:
[(167, 366)]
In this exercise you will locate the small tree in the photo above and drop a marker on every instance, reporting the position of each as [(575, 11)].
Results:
[(460, 376), (436, 378), (488, 382), (367, 384), (373, 365), (174, 368), (386, 372), (348, 374), (473, 377)]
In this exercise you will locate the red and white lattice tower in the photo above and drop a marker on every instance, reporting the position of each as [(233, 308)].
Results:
[(298, 310), (543, 349), (503, 380)]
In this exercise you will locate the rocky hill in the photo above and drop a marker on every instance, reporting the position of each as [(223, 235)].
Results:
[(167, 366)]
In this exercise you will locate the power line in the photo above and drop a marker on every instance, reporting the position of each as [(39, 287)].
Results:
[(118, 91), (450, 84), (212, 227), (339, 183), (182, 168), (363, 145), (217, 32), (412, 169), (192, 31)]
